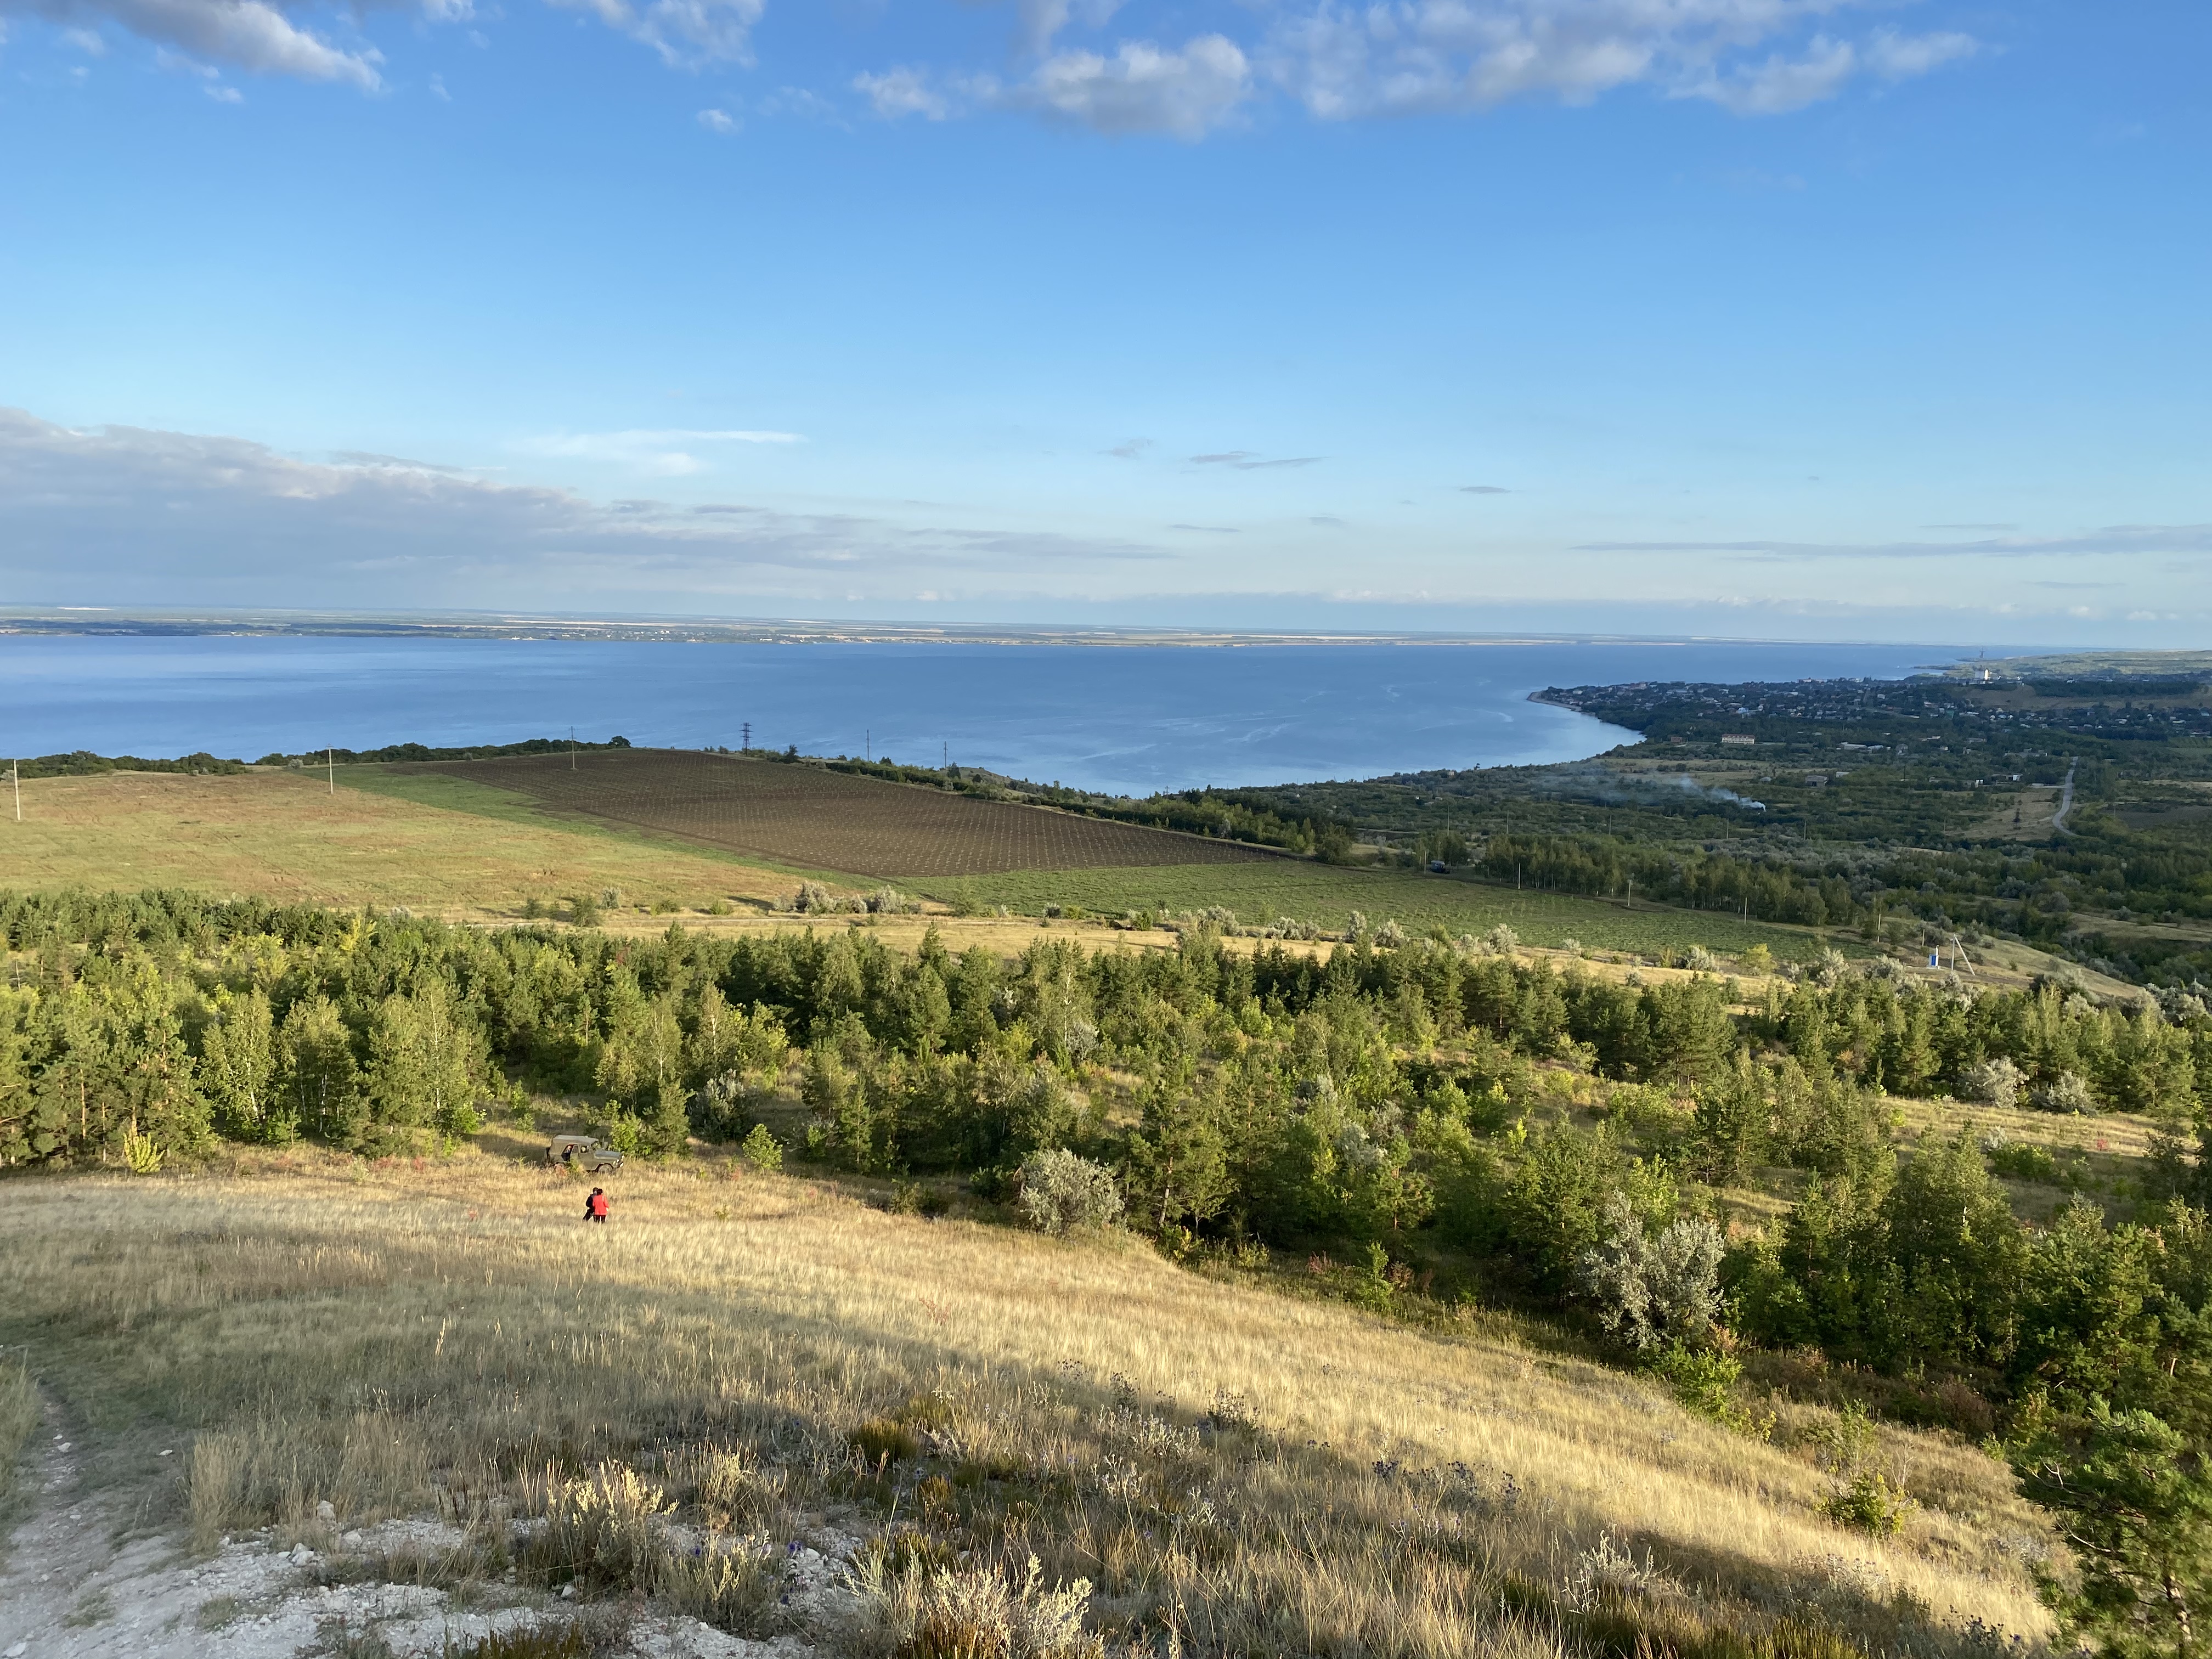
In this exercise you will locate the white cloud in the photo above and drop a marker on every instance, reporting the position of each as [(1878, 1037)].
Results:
[(250, 34), (687, 33), (132, 516), (1142, 88), (225, 94), (1038, 21), (1781, 84), (1397, 57), (902, 91), (716, 120)]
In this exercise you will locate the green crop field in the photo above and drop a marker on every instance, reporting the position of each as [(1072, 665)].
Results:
[(1327, 895)]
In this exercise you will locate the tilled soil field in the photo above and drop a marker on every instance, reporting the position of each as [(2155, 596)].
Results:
[(804, 816)]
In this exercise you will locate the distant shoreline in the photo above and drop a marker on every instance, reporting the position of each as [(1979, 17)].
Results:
[(100, 622)]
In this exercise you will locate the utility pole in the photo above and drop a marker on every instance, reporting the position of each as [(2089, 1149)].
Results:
[(867, 744), (746, 741), (330, 763), (15, 772)]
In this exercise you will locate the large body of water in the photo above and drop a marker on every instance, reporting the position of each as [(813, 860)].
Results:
[(1133, 720)]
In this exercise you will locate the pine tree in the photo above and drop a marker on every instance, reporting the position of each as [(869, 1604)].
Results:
[(2136, 1499)]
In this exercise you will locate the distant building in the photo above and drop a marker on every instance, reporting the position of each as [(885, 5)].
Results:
[(1745, 738)]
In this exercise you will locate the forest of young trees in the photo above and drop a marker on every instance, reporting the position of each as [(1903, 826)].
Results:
[(1404, 1105)]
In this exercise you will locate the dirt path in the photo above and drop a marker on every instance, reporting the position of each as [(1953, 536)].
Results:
[(2065, 800)]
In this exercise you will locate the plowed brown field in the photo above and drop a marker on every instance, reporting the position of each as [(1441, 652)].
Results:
[(821, 820)]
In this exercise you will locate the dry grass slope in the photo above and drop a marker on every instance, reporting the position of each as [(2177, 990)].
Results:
[(394, 1338), (804, 815)]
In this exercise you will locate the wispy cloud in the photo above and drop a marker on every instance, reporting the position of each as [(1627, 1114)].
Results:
[(1209, 529), (687, 33), (1139, 87), (247, 34), (1400, 57), (900, 91), (718, 120), (139, 516), (1243, 460), (1337, 59), (369, 458), (1484, 489), (1185, 91), (1130, 449), (2115, 538)]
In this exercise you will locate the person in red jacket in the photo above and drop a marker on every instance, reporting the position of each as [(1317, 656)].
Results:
[(595, 1207)]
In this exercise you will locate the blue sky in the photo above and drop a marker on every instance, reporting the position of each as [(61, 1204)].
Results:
[(1783, 317)]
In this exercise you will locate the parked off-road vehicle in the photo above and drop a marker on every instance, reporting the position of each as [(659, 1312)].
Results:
[(585, 1153)]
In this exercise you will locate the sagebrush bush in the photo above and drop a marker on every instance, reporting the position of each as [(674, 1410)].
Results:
[(973, 1613), (2068, 1092), (603, 1529), (1060, 1192), (1650, 1291), (1992, 1082)]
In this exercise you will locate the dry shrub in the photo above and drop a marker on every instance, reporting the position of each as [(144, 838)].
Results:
[(603, 1530), (540, 1641), (1062, 1193), (973, 1613), (734, 1491), (609, 1531), (587, 1633), (734, 1588), (886, 1439)]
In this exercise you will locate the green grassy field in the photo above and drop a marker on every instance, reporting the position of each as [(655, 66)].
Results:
[(1327, 895)]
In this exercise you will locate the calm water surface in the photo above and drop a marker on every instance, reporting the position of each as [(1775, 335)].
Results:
[(1133, 720)]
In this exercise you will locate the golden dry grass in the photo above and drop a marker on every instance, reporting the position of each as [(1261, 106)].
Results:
[(283, 836), (377, 1335)]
